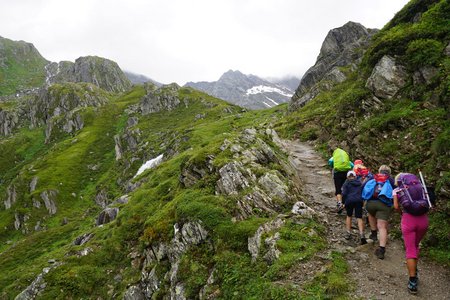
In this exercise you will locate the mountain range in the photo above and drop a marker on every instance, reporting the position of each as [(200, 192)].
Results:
[(248, 91), (110, 190)]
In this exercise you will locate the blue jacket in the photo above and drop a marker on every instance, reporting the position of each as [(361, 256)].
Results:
[(351, 191)]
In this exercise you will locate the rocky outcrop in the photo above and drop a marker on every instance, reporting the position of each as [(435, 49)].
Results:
[(102, 72), (185, 237), (38, 285), (156, 99), (11, 196), (59, 107), (82, 239), (254, 242), (49, 198), (387, 78), (342, 47), (107, 215), (8, 121), (231, 179)]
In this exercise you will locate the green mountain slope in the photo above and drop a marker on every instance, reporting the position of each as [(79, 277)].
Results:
[(213, 216), (61, 186), (407, 129), (21, 66)]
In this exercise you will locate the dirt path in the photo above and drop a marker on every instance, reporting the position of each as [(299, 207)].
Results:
[(374, 278)]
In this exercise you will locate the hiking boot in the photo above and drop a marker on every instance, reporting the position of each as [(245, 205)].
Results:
[(373, 236), (363, 241), (380, 253), (348, 235), (412, 287)]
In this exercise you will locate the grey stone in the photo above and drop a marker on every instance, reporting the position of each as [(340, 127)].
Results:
[(387, 78), (82, 239), (134, 293), (33, 183), (107, 215), (38, 285), (254, 242), (12, 196), (231, 179), (49, 198)]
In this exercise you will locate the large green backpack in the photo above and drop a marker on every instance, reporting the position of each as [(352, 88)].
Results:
[(341, 161)]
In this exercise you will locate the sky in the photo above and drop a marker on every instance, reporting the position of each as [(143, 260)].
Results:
[(189, 40)]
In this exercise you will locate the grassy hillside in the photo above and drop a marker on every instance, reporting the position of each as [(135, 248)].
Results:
[(408, 132), (83, 165), (21, 66)]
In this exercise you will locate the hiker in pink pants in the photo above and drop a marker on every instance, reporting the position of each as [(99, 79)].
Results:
[(414, 222)]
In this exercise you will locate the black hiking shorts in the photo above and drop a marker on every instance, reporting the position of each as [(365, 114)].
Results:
[(357, 207), (339, 179)]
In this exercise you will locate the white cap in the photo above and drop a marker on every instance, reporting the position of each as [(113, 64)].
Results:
[(351, 173)]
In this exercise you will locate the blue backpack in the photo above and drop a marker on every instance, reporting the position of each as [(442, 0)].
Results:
[(378, 188)]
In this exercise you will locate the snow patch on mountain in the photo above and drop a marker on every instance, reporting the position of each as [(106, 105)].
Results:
[(259, 89), (150, 164)]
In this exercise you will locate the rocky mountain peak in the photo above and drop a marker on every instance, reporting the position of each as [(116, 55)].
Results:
[(248, 91), (99, 71), (338, 39), (342, 47)]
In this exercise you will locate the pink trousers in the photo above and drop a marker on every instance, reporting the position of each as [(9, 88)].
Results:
[(413, 230)]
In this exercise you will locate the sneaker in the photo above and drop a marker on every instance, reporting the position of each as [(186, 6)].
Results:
[(363, 241), (412, 287), (373, 237), (348, 235), (380, 253), (339, 207)]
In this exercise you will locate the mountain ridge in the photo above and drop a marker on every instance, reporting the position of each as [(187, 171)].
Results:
[(249, 91)]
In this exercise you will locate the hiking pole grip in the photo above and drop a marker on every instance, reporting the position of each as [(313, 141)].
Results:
[(425, 188)]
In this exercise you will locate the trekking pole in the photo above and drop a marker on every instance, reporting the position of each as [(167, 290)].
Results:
[(425, 188)]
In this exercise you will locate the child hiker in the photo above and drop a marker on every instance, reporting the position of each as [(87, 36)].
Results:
[(351, 194)]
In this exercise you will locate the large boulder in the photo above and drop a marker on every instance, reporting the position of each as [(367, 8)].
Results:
[(387, 78)]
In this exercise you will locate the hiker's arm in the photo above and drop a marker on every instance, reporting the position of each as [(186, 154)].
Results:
[(396, 205)]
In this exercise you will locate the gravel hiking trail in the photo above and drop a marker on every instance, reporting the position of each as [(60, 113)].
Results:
[(373, 278)]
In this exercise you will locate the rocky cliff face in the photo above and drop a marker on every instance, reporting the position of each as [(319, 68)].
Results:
[(248, 91), (101, 72), (342, 47)]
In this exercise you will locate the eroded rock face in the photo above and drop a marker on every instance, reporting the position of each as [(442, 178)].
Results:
[(387, 78), (343, 46)]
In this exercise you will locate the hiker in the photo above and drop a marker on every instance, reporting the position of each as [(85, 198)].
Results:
[(362, 172), (351, 195), (340, 162), (410, 200), (377, 193)]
